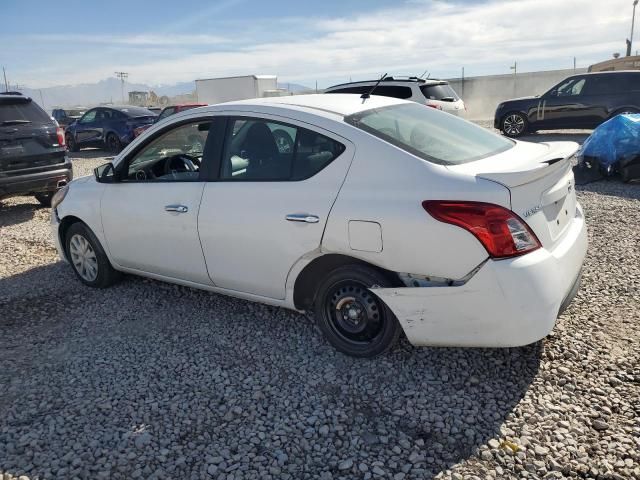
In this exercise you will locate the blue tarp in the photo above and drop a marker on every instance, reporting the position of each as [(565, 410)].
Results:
[(613, 141)]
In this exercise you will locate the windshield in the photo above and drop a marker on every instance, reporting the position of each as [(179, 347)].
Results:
[(429, 134), (22, 110), (442, 92)]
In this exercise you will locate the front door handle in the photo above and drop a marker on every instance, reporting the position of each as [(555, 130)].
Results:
[(176, 208), (302, 217)]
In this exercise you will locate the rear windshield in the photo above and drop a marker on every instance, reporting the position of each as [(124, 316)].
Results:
[(22, 110), (74, 113), (429, 134), (442, 92), (137, 112)]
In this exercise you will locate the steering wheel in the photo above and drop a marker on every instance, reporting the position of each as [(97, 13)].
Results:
[(283, 140), (188, 163)]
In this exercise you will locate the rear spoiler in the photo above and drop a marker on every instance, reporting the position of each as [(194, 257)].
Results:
[(557, 158)]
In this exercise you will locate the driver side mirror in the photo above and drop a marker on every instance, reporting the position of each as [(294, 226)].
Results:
[(553, 93), (105, 173)]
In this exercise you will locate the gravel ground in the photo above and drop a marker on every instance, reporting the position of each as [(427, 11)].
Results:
[(151, 380)]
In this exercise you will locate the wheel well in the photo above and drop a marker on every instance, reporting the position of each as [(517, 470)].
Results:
[(65, 224), (306, 284)]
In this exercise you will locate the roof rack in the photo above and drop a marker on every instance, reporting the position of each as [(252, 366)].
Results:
[(390, 78), (11, 93)]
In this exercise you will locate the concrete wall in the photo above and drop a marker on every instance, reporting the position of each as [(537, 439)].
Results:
[(482, 95)]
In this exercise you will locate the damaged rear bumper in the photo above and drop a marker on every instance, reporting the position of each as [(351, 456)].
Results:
[(507, 303)]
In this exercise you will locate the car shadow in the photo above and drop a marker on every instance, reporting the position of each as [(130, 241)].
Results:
[(90, 153), (16, 213), (162, 343), (578, 136)]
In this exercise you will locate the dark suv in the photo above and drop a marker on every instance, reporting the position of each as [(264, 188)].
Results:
[(580, 101), (33, 155)]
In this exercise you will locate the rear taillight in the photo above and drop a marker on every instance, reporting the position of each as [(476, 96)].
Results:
[(502, 233), (60, 135), (437, 107)]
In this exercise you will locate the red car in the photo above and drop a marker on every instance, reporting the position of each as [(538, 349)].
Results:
[(167, 111)]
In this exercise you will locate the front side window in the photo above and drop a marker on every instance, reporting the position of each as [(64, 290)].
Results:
[(429, 134), (89, 117), (259, 150), (571, 88), (175, 155)]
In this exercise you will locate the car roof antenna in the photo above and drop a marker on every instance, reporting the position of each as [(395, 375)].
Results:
[(423, 73), (366, 95)]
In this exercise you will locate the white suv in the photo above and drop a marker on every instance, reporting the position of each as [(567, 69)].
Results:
[(433, 93)]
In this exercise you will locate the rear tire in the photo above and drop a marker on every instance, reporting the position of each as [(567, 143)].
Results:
[(112, 143), (44, 198), (71, 143), (352, 318), (87, 257), (514, 124)]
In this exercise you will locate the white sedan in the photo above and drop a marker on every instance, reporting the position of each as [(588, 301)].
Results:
[(379, 215)]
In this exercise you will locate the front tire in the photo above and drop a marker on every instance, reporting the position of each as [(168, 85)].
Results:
[(352, 318), (514, 124), (87, 257)]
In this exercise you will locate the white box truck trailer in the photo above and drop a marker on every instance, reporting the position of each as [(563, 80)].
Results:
[(218, 90)]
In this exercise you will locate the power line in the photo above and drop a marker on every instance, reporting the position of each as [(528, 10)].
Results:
[(123, 77)]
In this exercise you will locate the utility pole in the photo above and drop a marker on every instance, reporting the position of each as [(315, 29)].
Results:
[(6, 84), (42, 99), (123, 77), (633, 21), (462, 83), (514, 67), (574, 64)]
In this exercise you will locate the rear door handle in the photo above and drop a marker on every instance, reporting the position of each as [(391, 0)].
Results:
[(176, 208), (302, 217)]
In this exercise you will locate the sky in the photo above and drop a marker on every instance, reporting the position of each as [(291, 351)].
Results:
[(161, 42)]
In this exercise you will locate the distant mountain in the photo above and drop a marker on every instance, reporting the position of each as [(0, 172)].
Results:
[(109, 91), (104, 91)]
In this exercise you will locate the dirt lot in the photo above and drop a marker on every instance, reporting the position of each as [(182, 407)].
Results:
[(151, 380)]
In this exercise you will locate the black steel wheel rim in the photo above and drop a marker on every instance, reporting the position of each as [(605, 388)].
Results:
[(112, 143), (354, 313)]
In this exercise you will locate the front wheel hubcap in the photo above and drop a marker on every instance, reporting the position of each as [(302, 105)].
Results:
[(83, 258), (514, 124)]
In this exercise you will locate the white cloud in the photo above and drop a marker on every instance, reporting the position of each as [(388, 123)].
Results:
[(438, 36)]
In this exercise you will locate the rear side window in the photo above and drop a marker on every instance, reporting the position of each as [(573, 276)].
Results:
[(259, 150), (22, 110), (395, 91), (612, 83), (429, 134), (440, 92)]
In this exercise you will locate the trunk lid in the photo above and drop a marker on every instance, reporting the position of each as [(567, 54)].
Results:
[(540, 180)]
